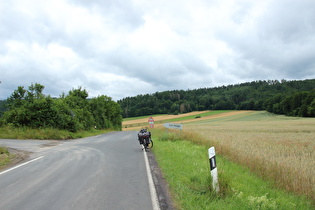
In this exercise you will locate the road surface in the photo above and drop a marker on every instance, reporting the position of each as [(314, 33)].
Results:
[(102, 172)]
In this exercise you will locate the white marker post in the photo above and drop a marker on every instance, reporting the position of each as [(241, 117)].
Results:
[(214, 170)]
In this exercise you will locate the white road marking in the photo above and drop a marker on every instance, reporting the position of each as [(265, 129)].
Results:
[(15, 167), (154, 198)]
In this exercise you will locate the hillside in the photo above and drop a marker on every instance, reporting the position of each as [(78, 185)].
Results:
[(294, 98)]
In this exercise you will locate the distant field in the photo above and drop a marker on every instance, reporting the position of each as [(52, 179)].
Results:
[(138, 122)]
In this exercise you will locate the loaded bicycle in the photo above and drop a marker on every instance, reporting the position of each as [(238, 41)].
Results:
[(144, 137)]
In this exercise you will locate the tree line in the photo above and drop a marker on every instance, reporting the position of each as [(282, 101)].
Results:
[(72, 111), (293, 98)]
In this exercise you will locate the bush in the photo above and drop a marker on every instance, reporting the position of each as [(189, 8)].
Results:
[(73, 112)]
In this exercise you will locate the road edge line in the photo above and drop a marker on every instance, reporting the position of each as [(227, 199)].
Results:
[(154, 198), (18, 166)]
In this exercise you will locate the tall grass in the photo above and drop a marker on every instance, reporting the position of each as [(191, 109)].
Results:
[(5, 157), (279, 149)]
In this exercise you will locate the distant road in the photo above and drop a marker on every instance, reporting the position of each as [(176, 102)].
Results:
[(102, 172)]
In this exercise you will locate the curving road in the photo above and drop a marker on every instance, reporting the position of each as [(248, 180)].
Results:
[(101, 172)]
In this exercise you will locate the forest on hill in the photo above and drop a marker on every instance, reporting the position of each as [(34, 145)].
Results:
[(292, 98)]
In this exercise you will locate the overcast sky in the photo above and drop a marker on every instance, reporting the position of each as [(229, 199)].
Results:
[(122, 48)]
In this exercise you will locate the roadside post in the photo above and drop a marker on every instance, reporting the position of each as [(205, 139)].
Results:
[(213, 169), (151, 122)]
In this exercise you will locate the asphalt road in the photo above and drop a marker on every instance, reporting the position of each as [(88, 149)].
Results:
[(102, 172)]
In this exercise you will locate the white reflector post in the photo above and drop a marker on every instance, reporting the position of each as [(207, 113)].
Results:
[(214, 170)]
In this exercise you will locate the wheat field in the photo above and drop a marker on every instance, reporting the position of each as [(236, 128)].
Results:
[(278, 148)]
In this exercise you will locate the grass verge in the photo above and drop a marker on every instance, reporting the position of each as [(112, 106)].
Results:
[(185, 166), (5, 157), (9, 132)]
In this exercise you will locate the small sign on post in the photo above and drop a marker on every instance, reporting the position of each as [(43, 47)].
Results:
[(151, 122), (213, 169)]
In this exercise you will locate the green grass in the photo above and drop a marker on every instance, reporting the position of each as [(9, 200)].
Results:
[(257, 115), (185, 167), (250, 116), (10, 132), (5, 157)]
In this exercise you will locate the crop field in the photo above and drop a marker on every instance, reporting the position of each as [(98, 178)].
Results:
[(279, 148)]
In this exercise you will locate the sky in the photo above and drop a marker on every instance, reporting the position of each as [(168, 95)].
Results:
[(123, 48)]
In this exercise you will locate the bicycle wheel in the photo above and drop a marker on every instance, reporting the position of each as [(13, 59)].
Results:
[(151, 144)]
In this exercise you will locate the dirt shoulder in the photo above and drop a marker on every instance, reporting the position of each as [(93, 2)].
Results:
[(17, 156)]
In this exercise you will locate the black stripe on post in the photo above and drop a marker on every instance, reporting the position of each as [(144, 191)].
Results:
[(213, 163)]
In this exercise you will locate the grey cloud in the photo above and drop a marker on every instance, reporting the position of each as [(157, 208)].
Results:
[(279, 44), (22, 25), (121, 12), (288, 21), (160, 71)]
